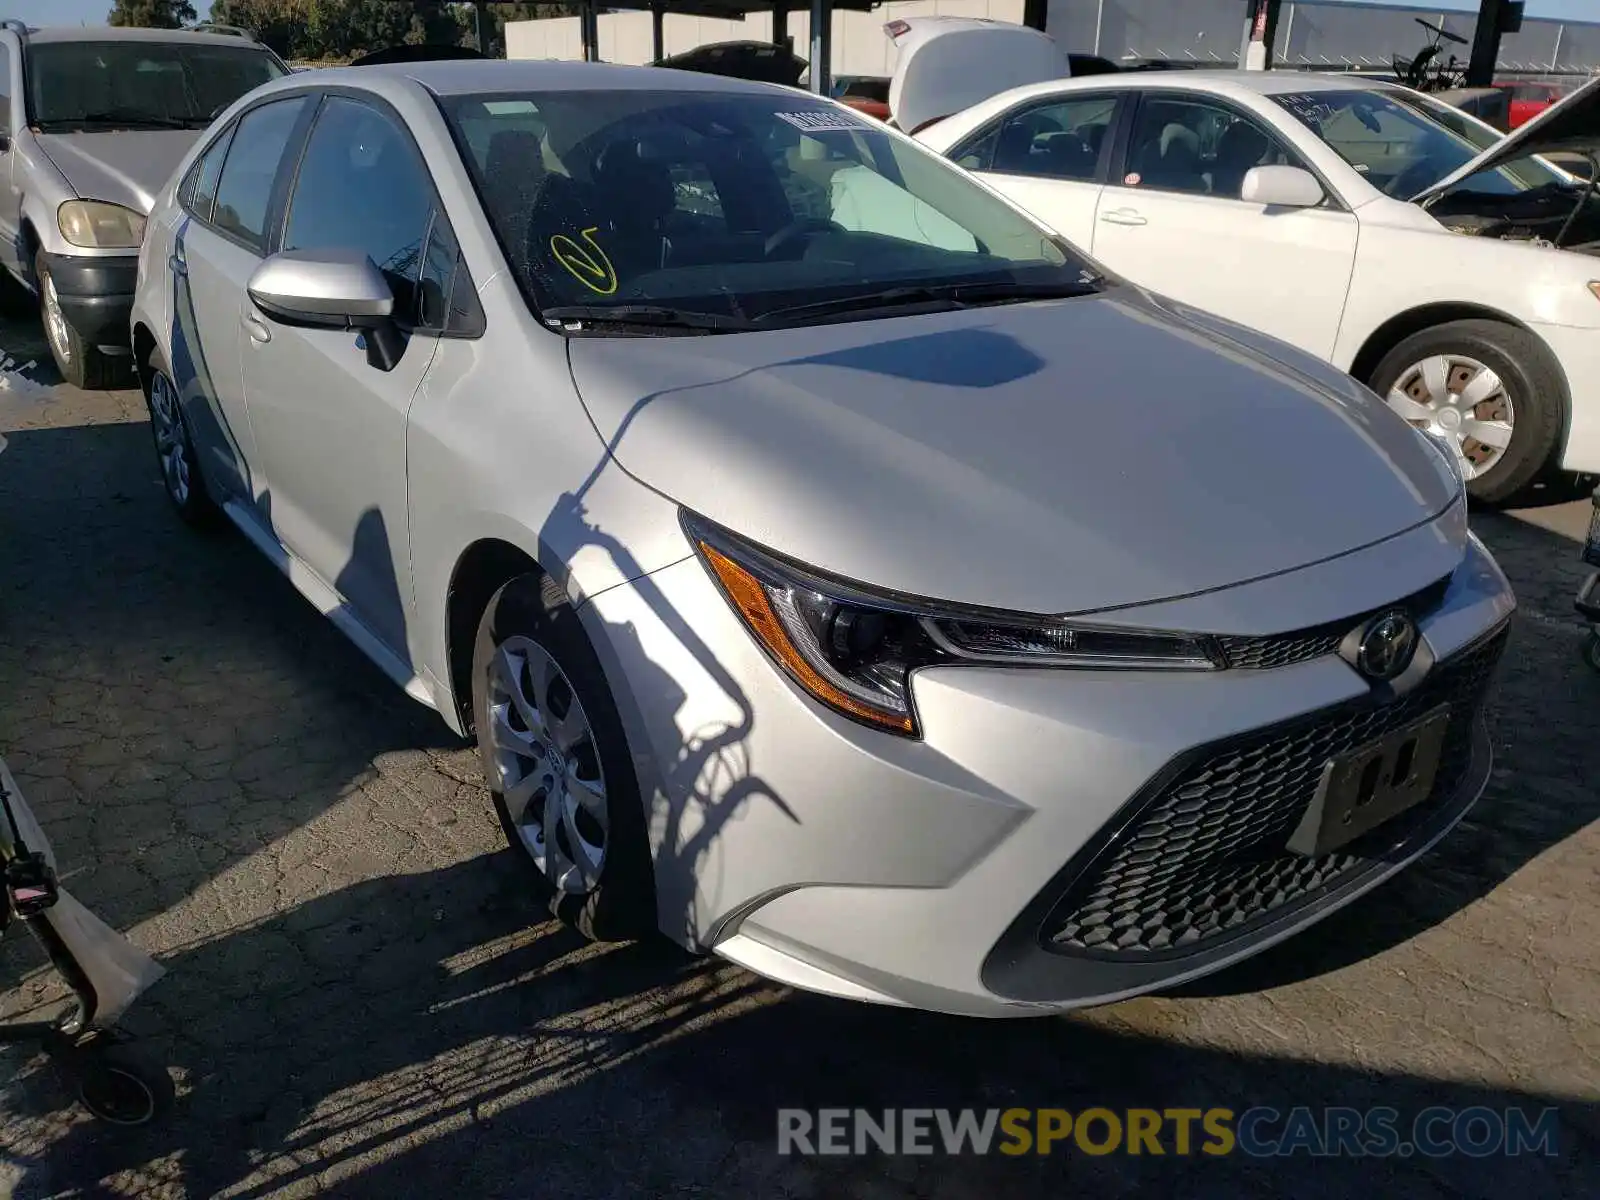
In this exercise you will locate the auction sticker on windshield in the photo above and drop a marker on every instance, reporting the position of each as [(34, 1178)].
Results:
[(820, 120)]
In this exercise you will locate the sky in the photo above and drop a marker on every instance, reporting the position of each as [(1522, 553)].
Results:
[(93, 12)]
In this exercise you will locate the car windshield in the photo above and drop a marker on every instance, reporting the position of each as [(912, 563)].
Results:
[(1404, 144), (733, 206), (139, 84)]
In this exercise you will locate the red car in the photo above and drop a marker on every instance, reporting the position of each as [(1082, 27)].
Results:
[(1528, 100)]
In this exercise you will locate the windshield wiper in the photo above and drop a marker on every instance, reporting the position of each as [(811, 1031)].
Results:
[(956, 295), (654, 315), (126, 118)]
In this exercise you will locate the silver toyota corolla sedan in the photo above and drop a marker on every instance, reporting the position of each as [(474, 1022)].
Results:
[(839, 572)]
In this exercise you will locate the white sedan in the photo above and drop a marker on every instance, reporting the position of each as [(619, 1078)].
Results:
[(1450, 269)]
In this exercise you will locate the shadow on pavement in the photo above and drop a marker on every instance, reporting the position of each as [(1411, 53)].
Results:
[(411, 1033)]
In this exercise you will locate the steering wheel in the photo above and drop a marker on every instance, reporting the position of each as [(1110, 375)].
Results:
[(798, 228), (1413, 179)]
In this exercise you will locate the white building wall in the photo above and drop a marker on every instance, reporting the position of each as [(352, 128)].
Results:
[(859, 44)]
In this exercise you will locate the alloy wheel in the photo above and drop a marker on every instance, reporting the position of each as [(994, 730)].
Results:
[(55, 322), (172, 437), (547, 765), (1461, 400)]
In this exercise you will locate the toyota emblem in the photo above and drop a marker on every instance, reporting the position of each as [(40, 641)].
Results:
[(1386, 646)]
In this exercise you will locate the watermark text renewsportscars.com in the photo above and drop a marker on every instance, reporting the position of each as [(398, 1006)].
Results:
[(1258, 1132)]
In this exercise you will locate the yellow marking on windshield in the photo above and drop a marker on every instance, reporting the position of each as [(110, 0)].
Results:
[(589, 266)]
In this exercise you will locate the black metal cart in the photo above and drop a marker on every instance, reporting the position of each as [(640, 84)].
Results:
[(104, 971), (1588, 602)]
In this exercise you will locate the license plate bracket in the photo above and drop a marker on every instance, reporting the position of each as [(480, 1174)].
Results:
[(1372, 784)]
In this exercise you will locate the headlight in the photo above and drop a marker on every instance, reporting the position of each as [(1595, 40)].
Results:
[(855, 651), (100, 226)]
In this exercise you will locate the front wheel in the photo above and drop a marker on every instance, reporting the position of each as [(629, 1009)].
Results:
[(81, 364), (1492, 391), (556, 758), (175, 450), (1591, 649)]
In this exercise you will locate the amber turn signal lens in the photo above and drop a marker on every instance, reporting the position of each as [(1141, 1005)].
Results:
[(750, 598)]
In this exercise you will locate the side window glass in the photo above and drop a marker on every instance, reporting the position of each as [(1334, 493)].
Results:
[(362, 186), (245, 187), (1200, 148), (200, 188), (5, 89), (978, 155), (1061, 140)]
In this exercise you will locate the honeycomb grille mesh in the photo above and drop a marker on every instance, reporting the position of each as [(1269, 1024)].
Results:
[(1205, 856), (1303, 645)]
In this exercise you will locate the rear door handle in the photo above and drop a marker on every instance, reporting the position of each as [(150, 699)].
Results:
[(255, 327), (1124, 216), (176, 265)]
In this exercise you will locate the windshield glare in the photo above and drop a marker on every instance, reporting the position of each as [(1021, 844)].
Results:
[(731, 203), (1404, 144), (129, 83)]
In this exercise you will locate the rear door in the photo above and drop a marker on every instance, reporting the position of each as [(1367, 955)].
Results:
[(227, 198), (1170, 219), (1050, 156)]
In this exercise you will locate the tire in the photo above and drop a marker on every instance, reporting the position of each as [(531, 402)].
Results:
[(173, 438), (530, 626), (1531, 380), (116, 1086), (80, 364), (1591, 649)]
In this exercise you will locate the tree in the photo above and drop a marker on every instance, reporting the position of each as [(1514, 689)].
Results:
[(152, 14)]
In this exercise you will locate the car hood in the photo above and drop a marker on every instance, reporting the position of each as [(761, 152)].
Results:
[(1051, 457), (127, 167), (947, 64), (1571, 124)]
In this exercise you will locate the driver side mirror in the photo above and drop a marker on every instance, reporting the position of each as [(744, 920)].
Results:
[(331, 289), (1281, 187)]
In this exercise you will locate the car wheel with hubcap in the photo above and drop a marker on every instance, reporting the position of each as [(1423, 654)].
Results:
[(1489, 390), (80, 364), (175, 452), (554, 753)]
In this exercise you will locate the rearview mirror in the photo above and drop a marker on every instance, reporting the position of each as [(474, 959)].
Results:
[(1281, 187), (331, 289)]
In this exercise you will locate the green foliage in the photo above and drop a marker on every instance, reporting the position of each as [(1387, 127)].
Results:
[(338, 30), (151, 14)]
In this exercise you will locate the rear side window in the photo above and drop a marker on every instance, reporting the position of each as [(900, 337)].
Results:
[(5, 88), (200, 188), (244, 191), (362, 186)]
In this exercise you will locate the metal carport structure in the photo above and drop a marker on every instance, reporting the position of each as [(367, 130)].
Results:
[(821, 23)]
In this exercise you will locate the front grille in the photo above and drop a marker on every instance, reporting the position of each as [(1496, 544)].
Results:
[(1319, 641), (1204, 856)]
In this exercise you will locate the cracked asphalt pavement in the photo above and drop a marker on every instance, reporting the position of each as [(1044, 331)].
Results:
[(363, 999)]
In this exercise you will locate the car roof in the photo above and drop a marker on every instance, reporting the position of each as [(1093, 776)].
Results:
[(115, 33), (457, 77), (1222, 82)]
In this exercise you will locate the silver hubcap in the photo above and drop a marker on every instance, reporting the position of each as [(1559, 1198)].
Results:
[(1462, 401), (172, 441), (55, 322), (548, 766)]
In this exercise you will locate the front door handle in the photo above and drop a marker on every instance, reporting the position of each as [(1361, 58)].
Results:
[(1124, 216), (255, 327), (177, 265)]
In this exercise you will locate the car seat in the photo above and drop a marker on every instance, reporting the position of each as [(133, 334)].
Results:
[(1172, 160), (513, 172), (638, 195), (1013, 152), (1242, 147)]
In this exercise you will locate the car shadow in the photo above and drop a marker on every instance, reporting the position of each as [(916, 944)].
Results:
[(412, 1032)]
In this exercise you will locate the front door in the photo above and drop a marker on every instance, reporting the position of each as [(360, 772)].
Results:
[(1172, 221), (331, 427)]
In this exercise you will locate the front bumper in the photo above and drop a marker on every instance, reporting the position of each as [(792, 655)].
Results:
[(96, 294), (931, 873)]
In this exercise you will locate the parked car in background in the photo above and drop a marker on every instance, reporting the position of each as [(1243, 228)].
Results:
[(840, 573), (94, 122), (1452, 270), (864, 93), (1528, 100)]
